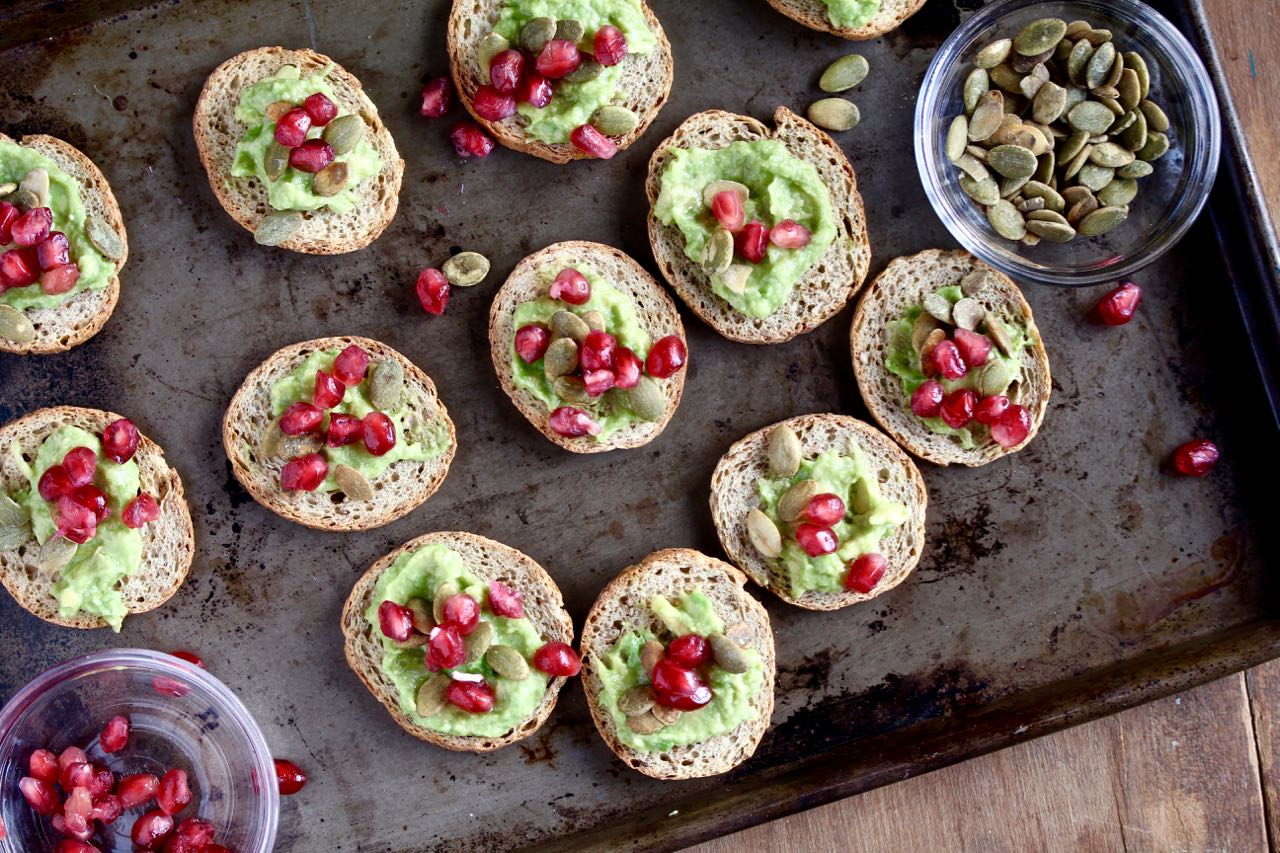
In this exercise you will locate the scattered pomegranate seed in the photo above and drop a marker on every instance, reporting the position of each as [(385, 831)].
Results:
[(816, 540), (572, 423), (825, 509), (350, 366), (71, 755), (503, 601), (289, 777), (445, 648), (19, 268), (311, 156), (168, 687), (102, 783), (1118, 306), (301, 418), (492, 105), (80, 832), (676, 686), (77, 774), (505, 71), (957, 408), (77, 811), (80, 463), (379, 433), (344, 429), (1196, 458), (865, 572), (462, 610), (328, 391), (948, 361), (666, 357), (395, 620), (752, 241), (558, 58), (571, 286), (43, 765), (926, 402), (437, 97), (190, 657), (1013, 427), (9, 214), (137, 789), (59, 279), (597, 351), (990, 409), (73, 515), (72, 845), (610, 45), (54, 483), (39, 794), (627, 368), (532, 342), (789, 234), (592, 142), (320, 109), (974, 348), (470, 141), (689, 650), (92, 498), (32, 227), (558, 659), (174, 793), (727, 208), (120, 440), (107, 808), (195, 834), (474, 697), (115, 734), (291, 130), (433, 291), (53, 251), (78, 535), (150, 829), (304, 474), (597, 382), (535, 89)]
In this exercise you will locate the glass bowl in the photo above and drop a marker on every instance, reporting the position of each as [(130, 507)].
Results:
[(181, 717), (1168, 201)]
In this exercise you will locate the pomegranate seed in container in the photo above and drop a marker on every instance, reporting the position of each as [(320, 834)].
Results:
[(115, 734), (503, 601), (71, 755), (789, 234), (197, 834), (558, 58), (328, 391), (301, 418), (32, 227), (752, 241), (120, 440), (53, 251), (610, 45), (825, 509), (77, 774), (957, 408), (43, 765), (592, 142), (572, 423), (505, 70), (571, 286), (344, 429), (190, 657), (39, 794), (174, 793), (864, 573), (320, 109), (470, 141), (974, 348), (556, 658), (77, 811), (926, 402), (102, 783), (534, 89), (107, 808), (150, 829), (137, 789), (1013, 427), (492, 105), (291, 130), (73, 845), (689, 650), (462, 610), (289, 777), (532, 342), (666, 357), (472, 697), (80, 463), (433, 291), (304, 474), (395, 620), (311, 156), (726, 207), (816, 540), (379, 433), (1118, 306), (350, 366), (1196, 458)]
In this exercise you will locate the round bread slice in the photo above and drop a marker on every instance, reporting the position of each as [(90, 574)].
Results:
[(400, 489), (489, 561), (218, 131), (623, 605), (827, 285), (80, 317), (902, 285), (168, 542), (643, 88), (734, 494), (813, 14), (654, 308)]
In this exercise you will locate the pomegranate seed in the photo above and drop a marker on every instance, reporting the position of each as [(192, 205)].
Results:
[(92, 498), (974, 348), (43, 765), (572, 423), (927, 399), (990, 409), (350, 366), (492, 105), (433, 291), (102, 783), (120, 440), (320, 109), (150, 829), (289, 776), (19, 268), (727, 208), (78, 535), (174, 793), (291, 130), (344, 429), (598, 381), (474, 697), (137, 789), (1013, 427), (1118, 306), (825, 509), (627, 368), (532, 342), (470, 141), (666, 357), (71, 755), (558, 58), (107, 808), (437, 97), (505, 71), (54, 483), (534, 89), (558, 659), (32, 227), (215, 848), (304, 474), (80, 463), (78, 810), (311, 156), (597, 351), (53, 251), (190, 657), (752, 241), (379, 433), (196, 832), (864, 573), (80, 832), (445, 648), (789, 234), (73, 515), (77, 774), (673, 683), (571, 286), (74, 845), (505, 601), (301, 418), (395, 620), (686, 702), (957, 408), (9, 214), (39, 794), (115, 734), (610, 45), (462, 610), (59, 279), (1196, 458), (816, 540), (689, 650), (592, 142), (169, 687), (328, 391), (947, 359)]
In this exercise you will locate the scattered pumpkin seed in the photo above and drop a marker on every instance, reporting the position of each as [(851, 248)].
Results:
[(443, 592), (277, 110), (386, 385), (835, 114), (993, 54), (330, 180), (613, 120), (728, 655), (477, 643), (932, 339), (796, 498), (976, 282), (570, 30), (650, 653), (845, 73), (6, 188), (421, 613), (16, 326), (636, 701), (735, 277), (740, 633), (666, 716), (764, 534), (976, 84), (594, 320), (647, 400), (12, 513), (571, 389), (275, 161), (968, 313), (103, 237), (466, 269), (587, 70), (1102, 220), (998, 333), (533, 37), (924, 326), (429, 700), (15, 526), (277, 227), (938, 306), (996, 376), (23, 199), (507, 662), (344, 133), (717, 252), (645, 724), (784, 452), (566, 324), (56, 553), (293, 446), (413, 641), (957, 138), (353, 484), (37, 183), (1006, 220)]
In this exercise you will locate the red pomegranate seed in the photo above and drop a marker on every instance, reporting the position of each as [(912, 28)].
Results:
[(344, 429), (864, 573), (190, 657), (395, 620), (470, 141), (107, 808), (77, 811), (81, 832), (115, 734), (311, 156), (927, 399), (54, 483), (120, 440), (534, 89), (328, 391), (19, 268), (92, 498), (627, 368), (474, 697), (169, 687), (43, 765), (196, 833), (789, 234), (350, 366), (77, 774), (990, 409), (73, 845), (598, 381), (974, 348), (492, 105), (59, 279), (445, 648), (610, 45), (674, 684), (32, 227), (433, 291), (666, 357), (957, 408), (558, 659), (752, 241), (1013, 427), (304, 474), (1196, 458), (379, 433), (215, 848), (289, 776), (825, 509), (1118, 306), (558, 58), (437, 97), (505, 601), (291, 130), (174, 793), (39, 794), (592, 142), (947, 359), (532, 342), (9, 214), (78, 535), (71, 755), (597, 351), (686, 702), (53, 251), (301, 418), (726, 207), (73, 515), (103, 782), (150, 829), (137, 789), (462, 610), (320, 109), (80, 463), (689, 650), (816, 540), (571, 286), (572, 423), (505, 71)]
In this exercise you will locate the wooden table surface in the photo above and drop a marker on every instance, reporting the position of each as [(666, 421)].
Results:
[(1196, 772)]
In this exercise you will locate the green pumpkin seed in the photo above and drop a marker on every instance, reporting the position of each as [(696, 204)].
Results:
[(636, 701), (1058, 232), (1102, 220), (1024, 64), (294, 446), (1006, 220), (594, 320), (1071, 146), (1012, 161), (645, 724), (993, 54), (1123, 123), (1049, 103), (1090, 117), (1078, 61), (278, 110), (968, 313), (15, 526), (613, 120), (976, 282), (1076, 29), (1012, 187), (1031, 85), (796, 498), (976, 85), (566, 324), (1098, 36), (386, 385), (534, 36), (36, 182), (977, 152), (1046, 216), (1053, 200), (23, 199), (414, 641), (666, 716), (1039, 35), (1111, 155), (421, 613), (735, 278), (1156, 118), (443, 592), (330, 180), (1118, 193), (650, 653), (998, 333), (571, 389), (353, 484), (937, 306), (717, 252), (1095, 177), (1006, 79), (560, 359), (477, 643), (1113, 106), (713, 189), (647, 400), (784, 452), (275, 161), (587, 70), (1044, 168), (16, 326), (931, 340), (924, 326), (7, 188), (1129, 89), (1082, 208), (764, 534), (343, 134), (845, 73), (1134, 60), (429, 699), (1136, 169), (987, 118), (276, 228), (507, 662), (984, 192), (103, 237), (12, 513), (996, 376), (466, 269), (1135, 136), (1077, 163), (957, 138), (972, 167), (835, 114), (728, 655), (56, 553)]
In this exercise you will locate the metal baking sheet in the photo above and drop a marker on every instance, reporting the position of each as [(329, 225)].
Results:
[(1068, 581)]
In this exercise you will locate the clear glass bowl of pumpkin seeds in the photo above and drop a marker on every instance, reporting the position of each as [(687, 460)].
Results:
[(1067, 143)]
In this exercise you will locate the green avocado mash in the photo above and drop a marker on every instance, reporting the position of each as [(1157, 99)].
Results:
[(421, 442), (851, 13), (292, 190), (68, 217), (88, 583), (869, 517), (782, 187), (574, 103), (904, 362), (619, 670), (418, 574), (610, 410)]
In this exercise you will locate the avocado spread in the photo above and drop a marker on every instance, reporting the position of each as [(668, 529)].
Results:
[(293, 189), (414, 441), (574, 103), (619, 670), (89, 582), (417, 574), (781, 186), (904, 362), (869, 517), (68, 217), (851, 13)]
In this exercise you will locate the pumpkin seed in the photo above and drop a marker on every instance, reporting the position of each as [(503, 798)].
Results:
[(1082, 208), (103, 237), (12, 513), (977, 152), (968, 313), (1053, 200), (764, 534), (1049, 103), (993, 54), (56, 553), (996, 376), (1006, 79), (1135, 136), (1114, 75), (330, 180), (571, 389), (973, 168), (275, 161), (1076, 29), (1100, 65), (422, 619), (1114, 107), (566, 324), (938, 306), (740, 633), (1077, 194), (466, 269), (987, 117), (23, 199), (735, 277), (984, 192), (1103, 92), (998, 333), (650, 653), (275, 228), (507, 662), (1111, 155), (1156, 118), (1031, 85), (1078, 61), (443, 592), (1039, 35), (414, 641), (594, 320), (1046, 216), (277, 110), (784, 451), (976, 282), (352, 483), (386, 385), (1134, 60), (636, 701), (6, 188), (834, 114), (1123, 123), (1006, 220), (477, 643), (1098, 36), (647, 400), (560, 359), (587, 70), (533, 36), (1058, 232), (1118, 193), (613, 120), (728, 655), (1102, 220), (16, 326), (293, 446), (845, 73), (976, 84), (713, 189), (37, 183), (344, 133), (1012, 161), (1136, 169), (666, 716), (957, 138), (1129, 89), (717, 252), (924, 326), (934, 338), (1090, 117), (429, 700), (1095, 177), (796, 498), (15, 526), (645, 724)]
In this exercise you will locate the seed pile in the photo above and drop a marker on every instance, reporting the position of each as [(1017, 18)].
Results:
[(840, 76), (678, 676)]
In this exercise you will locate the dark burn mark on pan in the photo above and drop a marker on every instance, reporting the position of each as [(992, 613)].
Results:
[(235, 492), (957, 544), (811, 674)]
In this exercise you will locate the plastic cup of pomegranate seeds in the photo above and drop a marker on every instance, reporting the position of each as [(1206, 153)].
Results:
[(180, 717)]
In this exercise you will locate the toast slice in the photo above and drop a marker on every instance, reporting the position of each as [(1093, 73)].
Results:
[(400, 489), (622, 605), (813, 14), (901, 286), (827, 285), (168, 542), (644, 86), (489, 561), (655, 309), (218, 131), (80, 317), (733, 495)]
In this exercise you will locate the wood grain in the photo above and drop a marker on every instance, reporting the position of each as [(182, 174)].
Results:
[(1263, 684)]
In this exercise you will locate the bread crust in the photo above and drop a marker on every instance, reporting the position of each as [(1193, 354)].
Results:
[(812, 14)]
